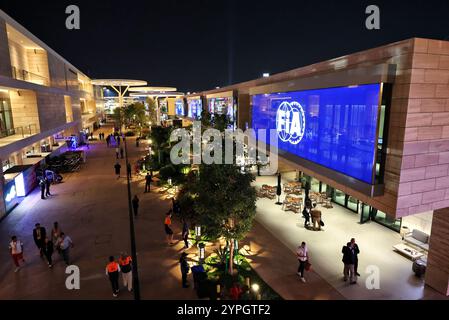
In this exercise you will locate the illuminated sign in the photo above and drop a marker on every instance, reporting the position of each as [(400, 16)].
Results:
[(195, 108), (290, 122), (333, 127), (11, 194), (179, 107)]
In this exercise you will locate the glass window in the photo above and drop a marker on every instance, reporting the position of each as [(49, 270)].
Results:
[(384, 219), (315, 185), (339, 197), (353, 204)]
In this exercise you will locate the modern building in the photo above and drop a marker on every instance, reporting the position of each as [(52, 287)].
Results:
[(371, 129), (43, 100)]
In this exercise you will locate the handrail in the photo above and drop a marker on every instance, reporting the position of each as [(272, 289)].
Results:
[(24, 131), (25, 75)]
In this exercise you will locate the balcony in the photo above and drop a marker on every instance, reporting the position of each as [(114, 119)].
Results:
[(24, 75), (12, 135)]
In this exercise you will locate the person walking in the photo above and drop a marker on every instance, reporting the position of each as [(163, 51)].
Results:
[(168, 230), (148, 179), (42, 185), (16, 251), (112, 271), (117, 167), (316, 218), (306, 215), (302, 254), (135, 203), (108, 140), (39, 234), (47, 186), (348, 260), (356, 258), (48, 251), (121, 152), (117, 138), (65, 243), (117, 151), (137, 142), (185, 234), (185, 268), (125, 263), (55, 232)]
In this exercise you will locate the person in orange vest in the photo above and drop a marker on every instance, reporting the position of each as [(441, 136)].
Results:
[(168, 230), (125, 263), (112, 270)]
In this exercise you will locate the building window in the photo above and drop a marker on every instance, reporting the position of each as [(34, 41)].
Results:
[(6, 122)]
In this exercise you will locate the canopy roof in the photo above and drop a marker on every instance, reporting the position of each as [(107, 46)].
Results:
[(152, 89), (118, 82)]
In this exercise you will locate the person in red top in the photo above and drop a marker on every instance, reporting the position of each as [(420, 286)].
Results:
[(125, 263), (112, 270), (235, 291), (168, 230)]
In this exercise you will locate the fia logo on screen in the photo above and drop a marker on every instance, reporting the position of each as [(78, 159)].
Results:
[(290, 122)]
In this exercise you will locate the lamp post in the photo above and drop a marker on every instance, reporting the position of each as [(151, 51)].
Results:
[(201, 252), (132, 234), (197, 232)]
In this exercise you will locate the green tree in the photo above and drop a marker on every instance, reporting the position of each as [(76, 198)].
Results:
[(118, 116), (152, 110), (225, 203)]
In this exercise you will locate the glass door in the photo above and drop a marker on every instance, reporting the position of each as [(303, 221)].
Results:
[(365, 213)]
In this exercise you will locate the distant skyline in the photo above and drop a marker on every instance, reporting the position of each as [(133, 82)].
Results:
[(196, 45)]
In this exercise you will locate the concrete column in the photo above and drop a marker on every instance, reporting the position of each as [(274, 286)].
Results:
[(437, 272), (5, 58)]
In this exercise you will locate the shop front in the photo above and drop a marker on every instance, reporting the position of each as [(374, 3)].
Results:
[(223, 103), (194, 107)]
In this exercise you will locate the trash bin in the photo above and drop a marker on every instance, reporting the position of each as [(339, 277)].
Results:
[(419, 267)]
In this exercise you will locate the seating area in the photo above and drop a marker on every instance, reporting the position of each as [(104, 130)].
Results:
[(292, 203), (267, 191), (418, 239)]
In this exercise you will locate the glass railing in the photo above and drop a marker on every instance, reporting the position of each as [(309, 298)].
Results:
[(25, 75), (24, 131)]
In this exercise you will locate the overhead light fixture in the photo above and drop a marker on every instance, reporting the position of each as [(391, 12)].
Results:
[(265, 75), (217, 87)]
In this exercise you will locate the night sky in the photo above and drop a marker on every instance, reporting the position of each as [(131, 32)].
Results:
[(200, 44)]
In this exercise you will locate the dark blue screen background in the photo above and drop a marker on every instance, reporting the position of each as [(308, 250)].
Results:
[(340, 126), (195, 108), (179, 106)]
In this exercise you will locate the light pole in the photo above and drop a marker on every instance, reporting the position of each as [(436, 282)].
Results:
[(131, 229)]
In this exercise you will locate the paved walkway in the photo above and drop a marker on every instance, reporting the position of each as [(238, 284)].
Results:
[(91, 207)]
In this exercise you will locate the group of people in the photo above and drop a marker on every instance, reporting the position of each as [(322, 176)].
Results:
[(113, 139), (350, 260), (101, 136), (184, 266), (44, 243), (123, 266), (44, 184), (310, 211)]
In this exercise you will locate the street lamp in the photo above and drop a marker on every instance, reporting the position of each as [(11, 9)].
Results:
[(197, 231), (256, 288), (201, 252)]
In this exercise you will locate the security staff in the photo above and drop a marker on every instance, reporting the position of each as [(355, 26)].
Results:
[(125, 263), (42, 185), (112, 270)]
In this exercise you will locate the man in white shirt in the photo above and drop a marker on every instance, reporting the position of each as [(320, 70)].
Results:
[(65, 243), (303, 255), (16, 250)]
